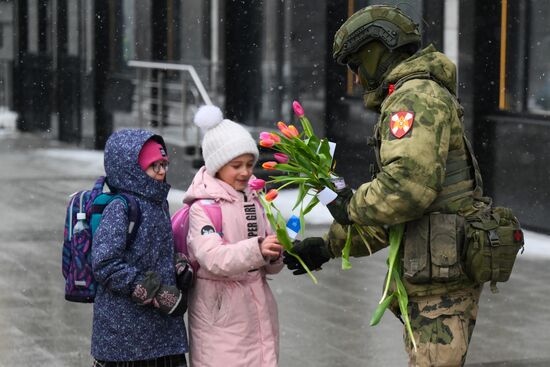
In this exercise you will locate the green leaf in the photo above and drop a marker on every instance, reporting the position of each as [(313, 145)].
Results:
[(306, 125), (283, 238), (268, 211), (346, 265), (361, 234), (307, 163), (288, 168), (302, 221), (302, 191), (276, 179), (379, 312), (284, 140), (303, 155), (313, 143), (403, 301), (305, 150), (314, 201), (280, 221), (304, 266), (325, 148), (396, 234)]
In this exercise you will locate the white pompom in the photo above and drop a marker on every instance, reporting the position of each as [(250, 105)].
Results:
[(208, 116)]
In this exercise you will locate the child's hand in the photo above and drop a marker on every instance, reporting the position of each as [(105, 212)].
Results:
[(270, 247)]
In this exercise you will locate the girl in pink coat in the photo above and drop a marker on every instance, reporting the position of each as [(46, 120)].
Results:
[(232, 313)]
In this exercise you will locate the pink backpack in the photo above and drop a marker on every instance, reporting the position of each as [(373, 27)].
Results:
[(180, 225)]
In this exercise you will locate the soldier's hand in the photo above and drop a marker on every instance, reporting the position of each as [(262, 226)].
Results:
[(338, 207), (313, 251)]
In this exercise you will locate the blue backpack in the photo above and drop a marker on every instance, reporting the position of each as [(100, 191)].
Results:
[(83, 217)]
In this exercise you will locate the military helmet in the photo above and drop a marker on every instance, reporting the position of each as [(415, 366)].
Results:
[(384, 23)]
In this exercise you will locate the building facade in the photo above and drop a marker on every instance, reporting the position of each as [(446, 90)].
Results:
[(66, 71)]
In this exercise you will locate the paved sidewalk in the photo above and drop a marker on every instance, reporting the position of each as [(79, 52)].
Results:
[(324, 325)]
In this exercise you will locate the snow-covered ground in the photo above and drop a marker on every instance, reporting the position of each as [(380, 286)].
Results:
[(7, 121), (537, 244)]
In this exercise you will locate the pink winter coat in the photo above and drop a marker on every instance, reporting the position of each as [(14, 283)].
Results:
[(232, 313)]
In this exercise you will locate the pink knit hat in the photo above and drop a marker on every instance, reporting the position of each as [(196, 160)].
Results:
[(151, 152)]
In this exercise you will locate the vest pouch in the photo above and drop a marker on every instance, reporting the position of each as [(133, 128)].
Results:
[(446, 243), (416, 251), (494, 238)]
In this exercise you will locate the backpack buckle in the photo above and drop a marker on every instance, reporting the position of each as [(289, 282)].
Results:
[(493, 238)]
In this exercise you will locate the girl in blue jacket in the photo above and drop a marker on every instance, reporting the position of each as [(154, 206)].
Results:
[(138, 306)]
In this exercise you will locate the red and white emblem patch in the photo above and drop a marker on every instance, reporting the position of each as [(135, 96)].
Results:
[(401, 123)]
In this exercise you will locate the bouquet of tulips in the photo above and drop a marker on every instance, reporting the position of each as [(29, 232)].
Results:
[(307, 162)]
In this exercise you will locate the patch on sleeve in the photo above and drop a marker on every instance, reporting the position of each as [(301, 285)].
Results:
[(401, 123), (207, 230)]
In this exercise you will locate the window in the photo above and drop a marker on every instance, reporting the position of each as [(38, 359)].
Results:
[(32, 24), (73, 18), (538, 84), (525, 57)]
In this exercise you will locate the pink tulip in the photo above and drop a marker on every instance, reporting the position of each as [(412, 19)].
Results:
[(298, 109), (271, 195), (267, 143), (269, 165), (276, 138), (256, 184), (265, 135), (281, 157)]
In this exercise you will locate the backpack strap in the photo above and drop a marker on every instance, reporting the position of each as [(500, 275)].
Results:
[(99, 183), (134, 213), (214, 212), (180, 224)]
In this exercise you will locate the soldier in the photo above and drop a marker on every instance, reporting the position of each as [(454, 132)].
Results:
[(426, 178)]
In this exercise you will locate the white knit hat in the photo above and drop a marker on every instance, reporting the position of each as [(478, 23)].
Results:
[(223, 139)]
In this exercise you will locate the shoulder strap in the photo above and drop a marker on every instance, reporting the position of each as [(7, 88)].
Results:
[(180, 224), (134, 214), (374, 142), (418, 75), (214, 212), (99, 183)]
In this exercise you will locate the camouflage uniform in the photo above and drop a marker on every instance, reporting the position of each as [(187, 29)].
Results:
[(415, 178)]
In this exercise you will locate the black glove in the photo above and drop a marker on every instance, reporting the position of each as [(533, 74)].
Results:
[(338, 207), (184, 273), (313, 251)]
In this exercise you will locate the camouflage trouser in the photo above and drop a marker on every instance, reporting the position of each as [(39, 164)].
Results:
[(442, 328)]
